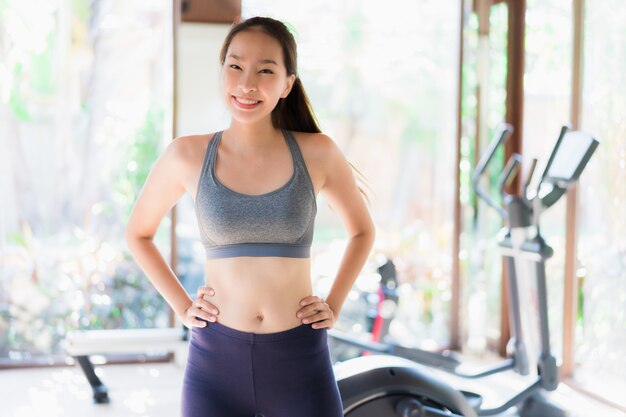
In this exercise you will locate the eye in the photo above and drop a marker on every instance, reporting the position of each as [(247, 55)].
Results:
[(268, 70), (233, 65)]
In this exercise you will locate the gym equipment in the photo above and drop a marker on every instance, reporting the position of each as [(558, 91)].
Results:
[(395, 383), (80, 344)]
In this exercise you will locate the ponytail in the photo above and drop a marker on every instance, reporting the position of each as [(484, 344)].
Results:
[(295, 112)]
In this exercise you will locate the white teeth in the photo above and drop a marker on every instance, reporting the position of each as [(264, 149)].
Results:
[(244, 101)]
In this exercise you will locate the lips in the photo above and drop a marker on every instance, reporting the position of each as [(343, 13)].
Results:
[(245, 103)]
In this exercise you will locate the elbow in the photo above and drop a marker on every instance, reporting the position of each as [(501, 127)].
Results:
[(368, 234), (131, 236), (371, 232)]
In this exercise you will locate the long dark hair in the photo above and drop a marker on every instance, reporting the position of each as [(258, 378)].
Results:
[(293, 112)]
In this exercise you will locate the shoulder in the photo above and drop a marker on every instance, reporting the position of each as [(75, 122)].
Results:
[(319, 147), (187, 150), (189, 146)]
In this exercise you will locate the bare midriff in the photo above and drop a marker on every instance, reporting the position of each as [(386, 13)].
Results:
[(259, 294)]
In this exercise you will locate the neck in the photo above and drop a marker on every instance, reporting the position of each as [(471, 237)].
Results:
[(253, 136)]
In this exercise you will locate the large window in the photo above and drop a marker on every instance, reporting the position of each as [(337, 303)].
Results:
[(601, 269), (84, 111), (483, 111), (547, 91)]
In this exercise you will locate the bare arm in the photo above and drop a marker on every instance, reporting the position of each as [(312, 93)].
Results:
[(341, 192), (163, 188)]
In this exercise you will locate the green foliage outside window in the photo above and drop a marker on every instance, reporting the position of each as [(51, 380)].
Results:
[(77, 163)]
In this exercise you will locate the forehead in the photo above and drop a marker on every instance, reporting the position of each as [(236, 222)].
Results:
[(254, 45)]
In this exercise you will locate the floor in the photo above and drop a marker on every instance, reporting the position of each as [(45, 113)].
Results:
[(135, 390), (153, 390)]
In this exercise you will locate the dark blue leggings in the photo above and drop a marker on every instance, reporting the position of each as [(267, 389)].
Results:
[(231, 373)]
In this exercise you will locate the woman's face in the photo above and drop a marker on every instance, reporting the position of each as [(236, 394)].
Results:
[(254, 76)]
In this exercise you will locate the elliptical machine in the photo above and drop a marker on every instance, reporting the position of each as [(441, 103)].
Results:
[(395, 383)]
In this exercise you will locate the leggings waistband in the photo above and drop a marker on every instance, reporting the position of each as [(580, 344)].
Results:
[(288, 334)]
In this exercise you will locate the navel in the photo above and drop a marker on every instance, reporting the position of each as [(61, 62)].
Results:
[(259, 316)]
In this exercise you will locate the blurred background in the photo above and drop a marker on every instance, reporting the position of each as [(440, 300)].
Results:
[(92, 91)]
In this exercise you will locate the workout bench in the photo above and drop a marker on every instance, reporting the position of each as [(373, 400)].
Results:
[(82, 343)]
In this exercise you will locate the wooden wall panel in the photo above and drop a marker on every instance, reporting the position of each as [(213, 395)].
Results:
[(210, 11)]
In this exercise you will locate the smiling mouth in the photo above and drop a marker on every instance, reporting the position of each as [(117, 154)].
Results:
[(244, 103)]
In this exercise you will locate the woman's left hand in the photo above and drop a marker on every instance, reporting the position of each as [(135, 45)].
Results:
[(315, 310)]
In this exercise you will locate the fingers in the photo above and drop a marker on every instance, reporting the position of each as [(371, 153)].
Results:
[(322, 315), (327, 324), (205, 290), (202, 309), (197, 322), (308, 312), (315, 312), (310, 299), (314, 305), (195, 313), (202, 302), (205, 305)]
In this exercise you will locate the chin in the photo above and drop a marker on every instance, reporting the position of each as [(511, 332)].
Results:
[(247, 118)]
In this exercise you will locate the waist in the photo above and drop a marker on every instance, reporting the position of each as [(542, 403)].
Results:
[(258, 294)]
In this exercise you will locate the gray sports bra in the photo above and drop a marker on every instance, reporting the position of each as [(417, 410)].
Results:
[(277, 223)]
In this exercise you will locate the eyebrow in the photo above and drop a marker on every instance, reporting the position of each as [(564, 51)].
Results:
[(262, 61)]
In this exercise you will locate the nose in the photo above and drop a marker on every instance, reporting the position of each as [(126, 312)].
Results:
[(247, 82)]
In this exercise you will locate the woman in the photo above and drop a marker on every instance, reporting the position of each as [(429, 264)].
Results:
[(260, 347)]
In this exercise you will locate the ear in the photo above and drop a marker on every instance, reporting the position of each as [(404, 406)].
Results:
[(290, 81)]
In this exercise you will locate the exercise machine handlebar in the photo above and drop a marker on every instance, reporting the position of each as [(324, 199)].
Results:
[(484, 161)]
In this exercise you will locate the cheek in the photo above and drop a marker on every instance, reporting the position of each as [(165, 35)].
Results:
[(228, 80), (272, 88)]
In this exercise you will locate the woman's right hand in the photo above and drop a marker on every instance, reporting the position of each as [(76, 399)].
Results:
[(200, 308)]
